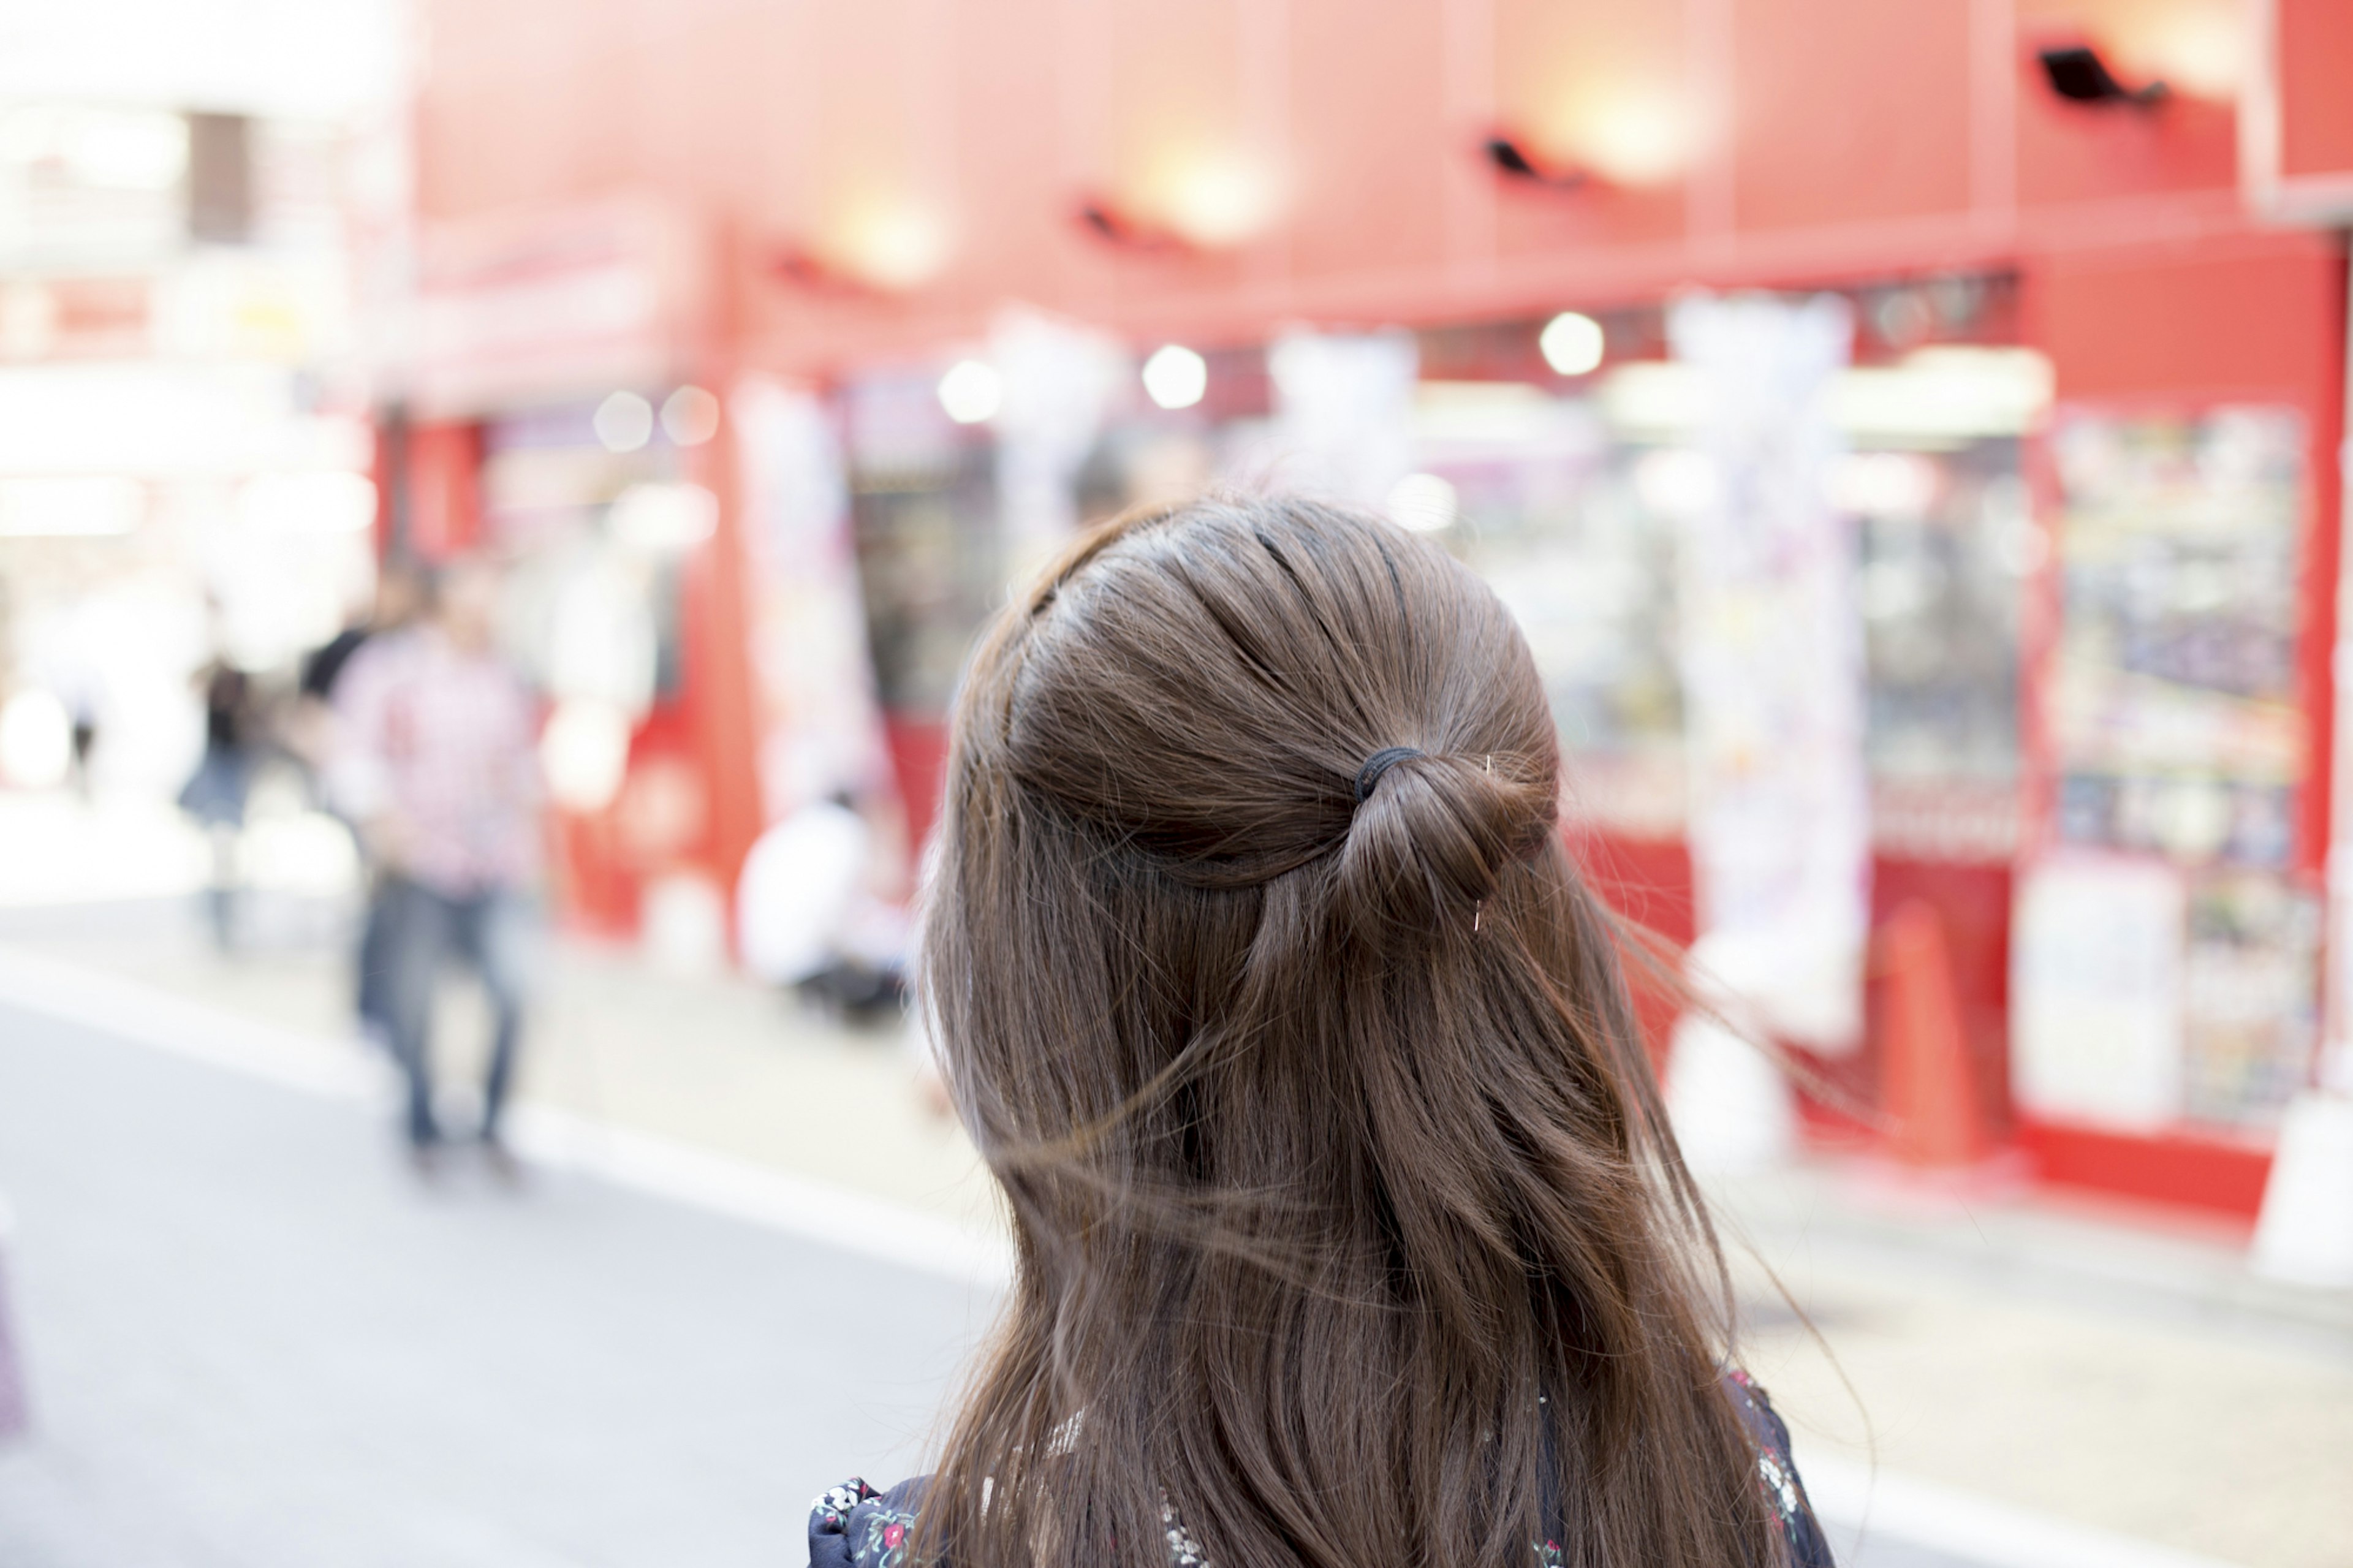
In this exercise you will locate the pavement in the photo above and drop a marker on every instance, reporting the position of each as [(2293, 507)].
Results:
[(707, 1060), (252, 1340), (2000, 1376), (749, 1260)]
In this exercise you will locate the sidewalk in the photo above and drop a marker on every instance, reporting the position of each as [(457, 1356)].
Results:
[(252, 1339), (2104, 1369), (717, 1063), (714, 1062), (2115, 1369)]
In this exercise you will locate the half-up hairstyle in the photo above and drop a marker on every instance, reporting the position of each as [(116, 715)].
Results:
[(1349, 1231)]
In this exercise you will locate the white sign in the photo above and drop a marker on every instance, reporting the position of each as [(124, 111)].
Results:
[(518, 308), (821, 726), (1772, 666), (2096, 1004)]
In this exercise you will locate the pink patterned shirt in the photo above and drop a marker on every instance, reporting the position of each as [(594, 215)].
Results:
[(441, 744)]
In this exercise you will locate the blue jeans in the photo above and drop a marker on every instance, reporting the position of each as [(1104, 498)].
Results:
[(423, 928), (373, 964)]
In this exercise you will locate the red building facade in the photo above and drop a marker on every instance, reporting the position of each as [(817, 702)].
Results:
[(847, 191)]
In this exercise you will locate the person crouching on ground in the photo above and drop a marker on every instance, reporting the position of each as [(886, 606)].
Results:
[(435, 759), (1348, 1228)]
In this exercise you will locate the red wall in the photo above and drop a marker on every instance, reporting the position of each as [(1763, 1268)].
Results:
[(1826, 139), (2250, 318), (2256, 318), (427, 488), (2316, 90)]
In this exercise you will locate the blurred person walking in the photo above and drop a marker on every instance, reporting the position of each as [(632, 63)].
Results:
[(435, 759), (399, 593), (214, 795), (1349, 1225)]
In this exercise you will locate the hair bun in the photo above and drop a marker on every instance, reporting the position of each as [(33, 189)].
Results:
[(1431, 836)]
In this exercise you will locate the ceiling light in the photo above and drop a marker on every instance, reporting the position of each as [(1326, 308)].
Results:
[(878, 243), (689, 417), (1176, 377), (1618, 131), (1216, 201), (625, 422), (1637, 134), (2200, 47), (894, 246), (971, 392), (1572, 343)]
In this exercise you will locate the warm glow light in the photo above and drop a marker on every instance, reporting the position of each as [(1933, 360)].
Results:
[(890, 243), (1627, 133), (1176, 377), (1638, 138), (1214, 199), (2194, 47), (971, 392), (1423, 503), (625, 422), (689, 417), (1572, 343)]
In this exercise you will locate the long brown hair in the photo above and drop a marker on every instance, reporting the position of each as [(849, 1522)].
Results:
[(1349, 1228)]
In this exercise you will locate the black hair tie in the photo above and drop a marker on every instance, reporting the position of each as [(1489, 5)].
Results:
[(1376, 765)]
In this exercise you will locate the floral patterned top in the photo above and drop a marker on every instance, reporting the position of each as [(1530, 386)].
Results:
[(855, 1526)]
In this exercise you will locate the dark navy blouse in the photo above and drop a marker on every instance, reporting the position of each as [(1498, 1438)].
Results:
[(855, 1526)]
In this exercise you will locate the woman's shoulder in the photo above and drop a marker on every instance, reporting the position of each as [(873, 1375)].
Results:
[(1777, 1472), (854, 1525)]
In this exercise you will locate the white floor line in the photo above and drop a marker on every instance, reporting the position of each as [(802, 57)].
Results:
[(839, 1217), (1847, 1495), (330, 1068), (291, 1059), (1882, 1503)]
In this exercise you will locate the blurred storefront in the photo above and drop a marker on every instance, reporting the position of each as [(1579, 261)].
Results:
[(2083, 432), (514, 423), (184, 436)]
